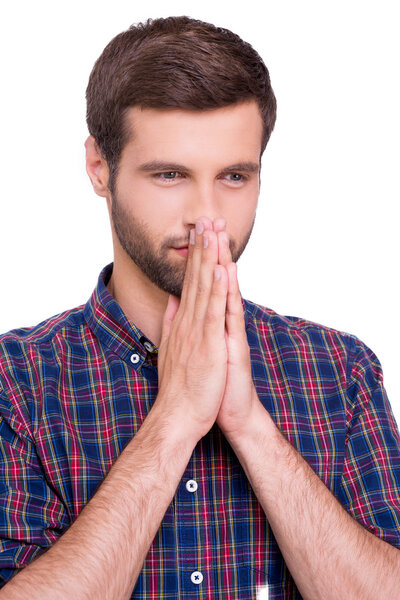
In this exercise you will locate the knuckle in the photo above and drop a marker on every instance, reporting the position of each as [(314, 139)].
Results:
[(190, 278), (219, 292), (182, 327), (202, 289), (213, 315)]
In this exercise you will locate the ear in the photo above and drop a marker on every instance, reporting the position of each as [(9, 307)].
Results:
[(96, 168)]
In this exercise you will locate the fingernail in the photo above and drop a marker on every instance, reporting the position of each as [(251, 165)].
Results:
[(205, 241), (217, 274), (199, 227), (192, 236)]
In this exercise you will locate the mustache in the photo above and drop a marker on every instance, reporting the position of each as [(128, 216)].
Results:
[(179, 243), (176, 243)]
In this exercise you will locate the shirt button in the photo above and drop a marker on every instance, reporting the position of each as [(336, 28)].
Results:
[(148, 346), (191, 485), (196, 577), (135, 358)]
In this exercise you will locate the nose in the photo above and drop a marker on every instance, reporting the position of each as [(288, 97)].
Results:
[(203, 202)]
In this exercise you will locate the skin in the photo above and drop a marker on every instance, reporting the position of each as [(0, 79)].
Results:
[(102, 552), (329, 554), (204, 376), (146, 267)]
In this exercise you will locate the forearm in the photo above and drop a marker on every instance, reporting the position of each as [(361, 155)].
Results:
[(101, 555), (329, 554)]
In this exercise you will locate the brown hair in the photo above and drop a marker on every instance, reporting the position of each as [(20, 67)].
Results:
[(176, 62)]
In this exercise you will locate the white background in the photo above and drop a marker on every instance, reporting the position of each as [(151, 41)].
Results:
[(325, 245)]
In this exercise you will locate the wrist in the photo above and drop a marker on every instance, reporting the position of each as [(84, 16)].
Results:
[(258, 423), (176, 422), (259, 431)]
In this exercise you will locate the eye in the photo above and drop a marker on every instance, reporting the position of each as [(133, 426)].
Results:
[(236, 177), (167, 176)]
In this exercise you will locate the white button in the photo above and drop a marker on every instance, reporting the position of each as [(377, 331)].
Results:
[(196, 577), (135, 358), (148, 346), (191, 485)]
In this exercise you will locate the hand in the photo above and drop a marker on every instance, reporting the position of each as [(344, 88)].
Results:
[(240, 396), (192, 357)]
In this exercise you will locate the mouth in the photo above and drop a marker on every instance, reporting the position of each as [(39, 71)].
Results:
[(182, 250)]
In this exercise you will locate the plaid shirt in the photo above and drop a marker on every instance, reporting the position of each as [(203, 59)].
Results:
[(75, 388)]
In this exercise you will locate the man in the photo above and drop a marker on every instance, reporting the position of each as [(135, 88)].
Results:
[(169, 439)]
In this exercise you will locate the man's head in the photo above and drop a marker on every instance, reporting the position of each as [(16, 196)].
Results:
[(175, 62), (197, 99)]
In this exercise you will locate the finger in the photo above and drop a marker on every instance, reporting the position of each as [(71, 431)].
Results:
[(192, 267), (214, 322), (224, 251), (208, 224), (189, 267), (169, 315), (219, 224), (190, 285), (234, 318), (206, 274)]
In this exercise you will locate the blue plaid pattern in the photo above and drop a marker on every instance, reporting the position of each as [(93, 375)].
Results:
[(75, 388)]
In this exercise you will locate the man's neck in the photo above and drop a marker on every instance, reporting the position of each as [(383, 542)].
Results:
[(142, 302)]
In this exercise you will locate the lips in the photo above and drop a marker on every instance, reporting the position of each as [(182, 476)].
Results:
[(183, 250)]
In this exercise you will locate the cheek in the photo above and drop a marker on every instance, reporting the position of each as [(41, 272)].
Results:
[(145, 202), (240, 216)]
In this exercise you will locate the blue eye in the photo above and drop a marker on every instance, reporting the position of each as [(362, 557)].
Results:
[(168, 175), (236, 177)]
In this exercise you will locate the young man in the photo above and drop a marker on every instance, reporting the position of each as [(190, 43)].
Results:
[(169, 439)]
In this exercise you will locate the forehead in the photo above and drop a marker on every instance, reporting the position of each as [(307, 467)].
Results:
[(188, 134)]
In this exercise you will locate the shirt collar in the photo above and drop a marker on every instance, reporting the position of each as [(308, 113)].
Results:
[(112, 327)]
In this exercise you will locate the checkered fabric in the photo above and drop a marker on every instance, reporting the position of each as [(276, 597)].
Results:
[(75, 388)]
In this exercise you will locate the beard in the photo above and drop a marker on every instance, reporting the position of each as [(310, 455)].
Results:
[(155, 259)]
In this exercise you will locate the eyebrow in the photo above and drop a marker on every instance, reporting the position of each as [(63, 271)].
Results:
[(156, 165)]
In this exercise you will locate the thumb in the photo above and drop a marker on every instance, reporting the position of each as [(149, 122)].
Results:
[(169, 315)]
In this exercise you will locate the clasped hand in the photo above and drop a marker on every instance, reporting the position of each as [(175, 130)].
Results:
[(204, 363)]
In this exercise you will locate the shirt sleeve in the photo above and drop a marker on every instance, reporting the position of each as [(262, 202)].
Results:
[(370, 485), (32, 517)]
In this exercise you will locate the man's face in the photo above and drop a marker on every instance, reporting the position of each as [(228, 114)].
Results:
[(180, 165)]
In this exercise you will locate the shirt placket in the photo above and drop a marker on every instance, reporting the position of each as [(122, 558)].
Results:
[(190, 572)]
